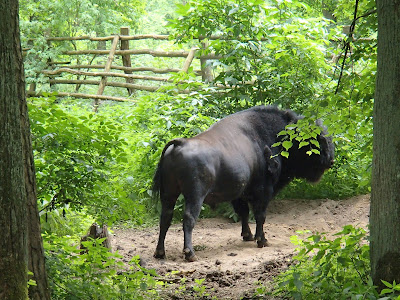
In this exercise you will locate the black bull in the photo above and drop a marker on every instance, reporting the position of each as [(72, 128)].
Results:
[(233, 161)]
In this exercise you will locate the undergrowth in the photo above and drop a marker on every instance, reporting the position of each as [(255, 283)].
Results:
[(331, 269), (95, 273)]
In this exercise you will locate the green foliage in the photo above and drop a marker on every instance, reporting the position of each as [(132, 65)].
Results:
[(71, 18), (196, 291), (31, 281), (391, 291), (95, 273), (329, 269), (65, 221), (302, 133), (159, 10), (77, 156), (46, 18), (269, 54)]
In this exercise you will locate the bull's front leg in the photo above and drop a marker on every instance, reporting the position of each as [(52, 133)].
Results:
[(260, 235), (192, 212), (241, 207)]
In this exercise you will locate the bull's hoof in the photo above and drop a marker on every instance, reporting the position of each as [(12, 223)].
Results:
[(189, 255), (159, 254), (248, 238), (261, 244), (191, 258)]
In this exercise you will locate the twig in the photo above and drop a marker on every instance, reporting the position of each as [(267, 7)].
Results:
[(347, 45)]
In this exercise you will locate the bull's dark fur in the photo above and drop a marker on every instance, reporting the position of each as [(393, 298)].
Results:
[(233, 161)]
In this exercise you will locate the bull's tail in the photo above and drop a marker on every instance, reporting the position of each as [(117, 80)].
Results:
[(157, 187)]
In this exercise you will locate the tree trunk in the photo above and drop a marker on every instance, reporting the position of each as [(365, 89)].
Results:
[(21, 247), (13, 211), (385, 196)]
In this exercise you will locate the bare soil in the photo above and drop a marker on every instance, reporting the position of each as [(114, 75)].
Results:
[(230, 267)]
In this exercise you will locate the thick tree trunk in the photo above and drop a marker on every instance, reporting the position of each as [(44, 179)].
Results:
[(21, 247), (385, 197), (13, 211)]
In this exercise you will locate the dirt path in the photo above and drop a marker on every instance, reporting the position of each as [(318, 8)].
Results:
[(229, 266)]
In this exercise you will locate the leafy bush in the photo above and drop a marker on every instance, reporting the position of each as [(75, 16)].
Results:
[(77, 156), (95, 274), (270, 53), (331, 269), (65, 221)]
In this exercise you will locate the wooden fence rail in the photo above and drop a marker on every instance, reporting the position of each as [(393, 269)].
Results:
[(115, 67), (111, 69), (110, 74)]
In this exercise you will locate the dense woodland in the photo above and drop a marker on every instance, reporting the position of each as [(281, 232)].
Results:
[(318, 58)]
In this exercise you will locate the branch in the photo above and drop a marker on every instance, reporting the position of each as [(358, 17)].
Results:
[(367, 14), (347, 45)]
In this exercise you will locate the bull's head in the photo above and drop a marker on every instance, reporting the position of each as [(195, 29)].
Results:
[(318, 164), (312, 167)]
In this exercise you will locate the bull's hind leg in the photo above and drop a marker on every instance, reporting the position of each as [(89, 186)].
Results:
[(259, 204), (241, 207), (192, 211), (167, 211)]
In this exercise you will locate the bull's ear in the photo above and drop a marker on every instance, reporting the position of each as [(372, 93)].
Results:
[(323, 141), (272, 162)]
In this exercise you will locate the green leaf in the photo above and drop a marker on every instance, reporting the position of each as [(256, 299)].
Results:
[(283, 132), (304, 143), (315, 143), (277, 144), (386, 291), (389, 285), (316, 151), (342, 260), (285, 154), (143, 286), (287, 144)]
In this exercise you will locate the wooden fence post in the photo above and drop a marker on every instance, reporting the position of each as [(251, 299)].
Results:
[(189, 59), (107, 68), (126, 58)]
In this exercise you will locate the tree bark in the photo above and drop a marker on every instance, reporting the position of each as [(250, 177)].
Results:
[(13, 211), (21, 247), (385, 195)]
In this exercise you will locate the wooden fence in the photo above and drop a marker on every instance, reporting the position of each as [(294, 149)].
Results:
[(111, 70), (119, 75)]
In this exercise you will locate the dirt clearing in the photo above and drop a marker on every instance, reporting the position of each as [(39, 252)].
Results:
[(230, 267)]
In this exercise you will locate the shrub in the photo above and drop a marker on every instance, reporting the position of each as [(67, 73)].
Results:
[(77, 156), (95, 274), (332, 269)]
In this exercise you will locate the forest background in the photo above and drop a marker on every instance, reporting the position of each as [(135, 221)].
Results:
[(98, 167)]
